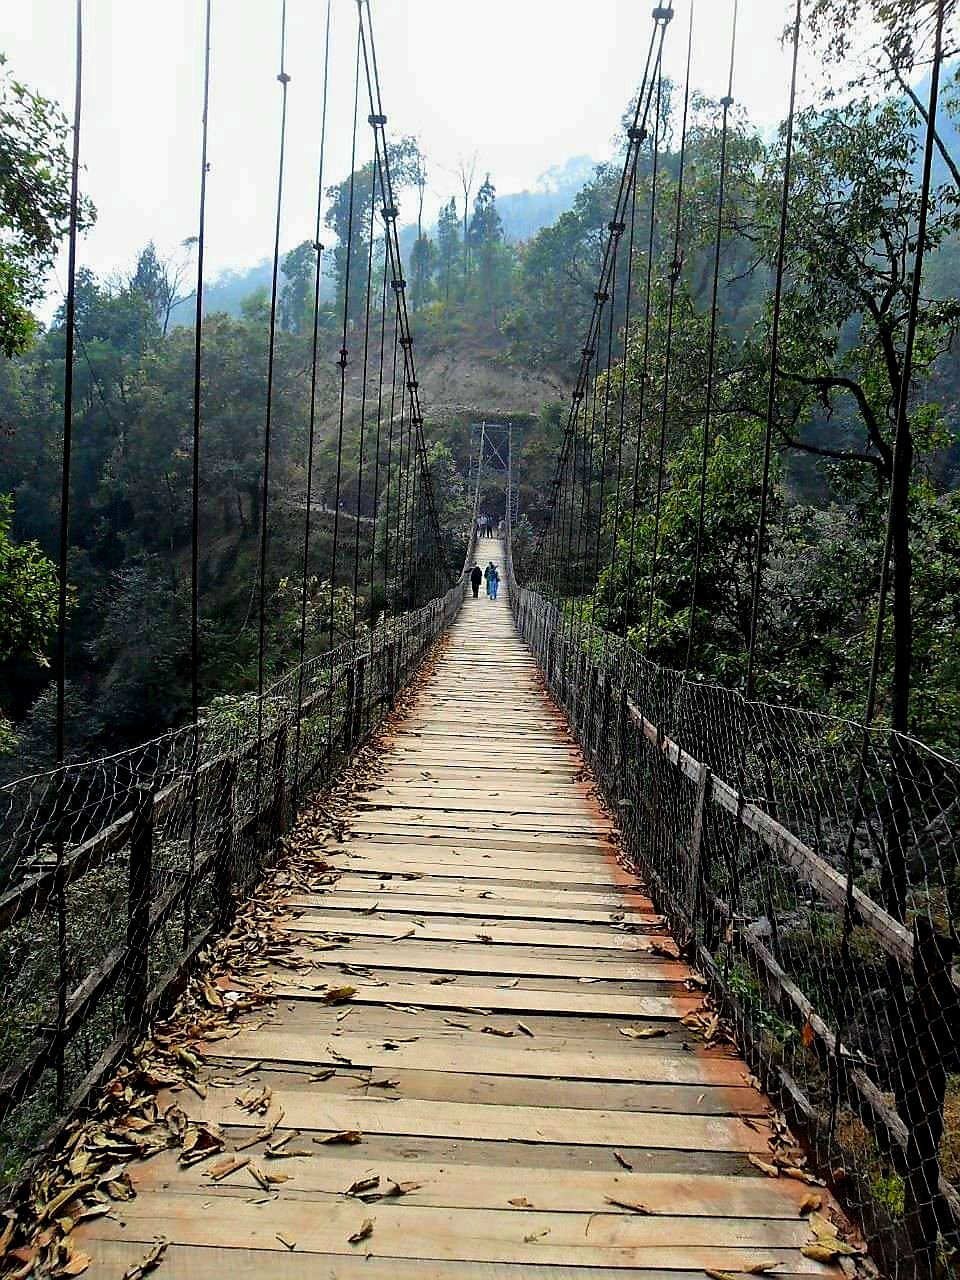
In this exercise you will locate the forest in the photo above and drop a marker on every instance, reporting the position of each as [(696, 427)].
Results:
[(518, 306)]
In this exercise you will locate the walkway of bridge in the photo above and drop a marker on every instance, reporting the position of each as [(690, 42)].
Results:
[(514, 1052)]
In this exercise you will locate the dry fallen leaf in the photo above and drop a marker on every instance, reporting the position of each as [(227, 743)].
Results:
[(365, 1231), (521, 1202), (338, 995), (76, 1265), (642, 1033), (349, 1136), (363, 1184), (147, 1264), (810, 1203), (224, 1168), (288, 1244), (632, 1205), (770, 1170), (622, 1160)]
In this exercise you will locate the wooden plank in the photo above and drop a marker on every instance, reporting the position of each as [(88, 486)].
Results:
[(399, 815), (183, 1262), (468, 803), (493, 835), (355, 882), (488, 1057), (319, 1113), (397, 859), (368, 927), (500, 999), (414, 903), (464, 958), (554, 1190), (585, 854), (506, 1236)]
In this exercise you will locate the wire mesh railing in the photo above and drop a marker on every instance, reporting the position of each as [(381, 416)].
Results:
[(811, 869), (115, 872)]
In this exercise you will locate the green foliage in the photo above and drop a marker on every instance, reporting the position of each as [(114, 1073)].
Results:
[(28, 594), (28, 605), (34, 203)]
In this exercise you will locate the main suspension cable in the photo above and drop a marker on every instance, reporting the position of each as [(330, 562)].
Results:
[(636, 134)]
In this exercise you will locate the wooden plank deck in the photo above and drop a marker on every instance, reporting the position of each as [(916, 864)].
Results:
[(483, 1057)]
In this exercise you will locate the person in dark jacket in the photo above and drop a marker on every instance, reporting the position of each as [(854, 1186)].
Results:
[(476, 577)]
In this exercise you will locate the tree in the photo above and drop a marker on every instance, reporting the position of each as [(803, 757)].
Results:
[(423, 256), (854, 217), (466, 172), (34, 203), (448, 240), (159, 280), (407, 167), (28, 604), (297, 295), (897, 35), (727, 558)]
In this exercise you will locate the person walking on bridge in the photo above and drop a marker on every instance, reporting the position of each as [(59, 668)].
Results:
[(476, 577), (493, 579)]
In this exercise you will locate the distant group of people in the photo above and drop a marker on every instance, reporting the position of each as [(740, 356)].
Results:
[(487, 527), (492, 577)]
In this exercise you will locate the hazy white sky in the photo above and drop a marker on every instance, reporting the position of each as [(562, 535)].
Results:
[(525, 84)]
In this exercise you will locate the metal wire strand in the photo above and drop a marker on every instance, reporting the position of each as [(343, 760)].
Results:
[(283, 80), (312, 428), (727, 103)]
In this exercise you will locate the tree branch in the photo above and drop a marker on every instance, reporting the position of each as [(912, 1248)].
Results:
[(941, 146), (828, 383)]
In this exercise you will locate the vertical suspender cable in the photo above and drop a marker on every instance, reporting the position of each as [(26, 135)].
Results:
[(376, 449), (645, 362), (628, 295), (195, 492), (363, 396), (675, 269), (311, 435), (342, 365), (617, 233), (774, 352), (284, 80), (67, 457), (727, 103)]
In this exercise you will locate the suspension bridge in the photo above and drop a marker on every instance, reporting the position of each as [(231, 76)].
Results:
[(478, 943)]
